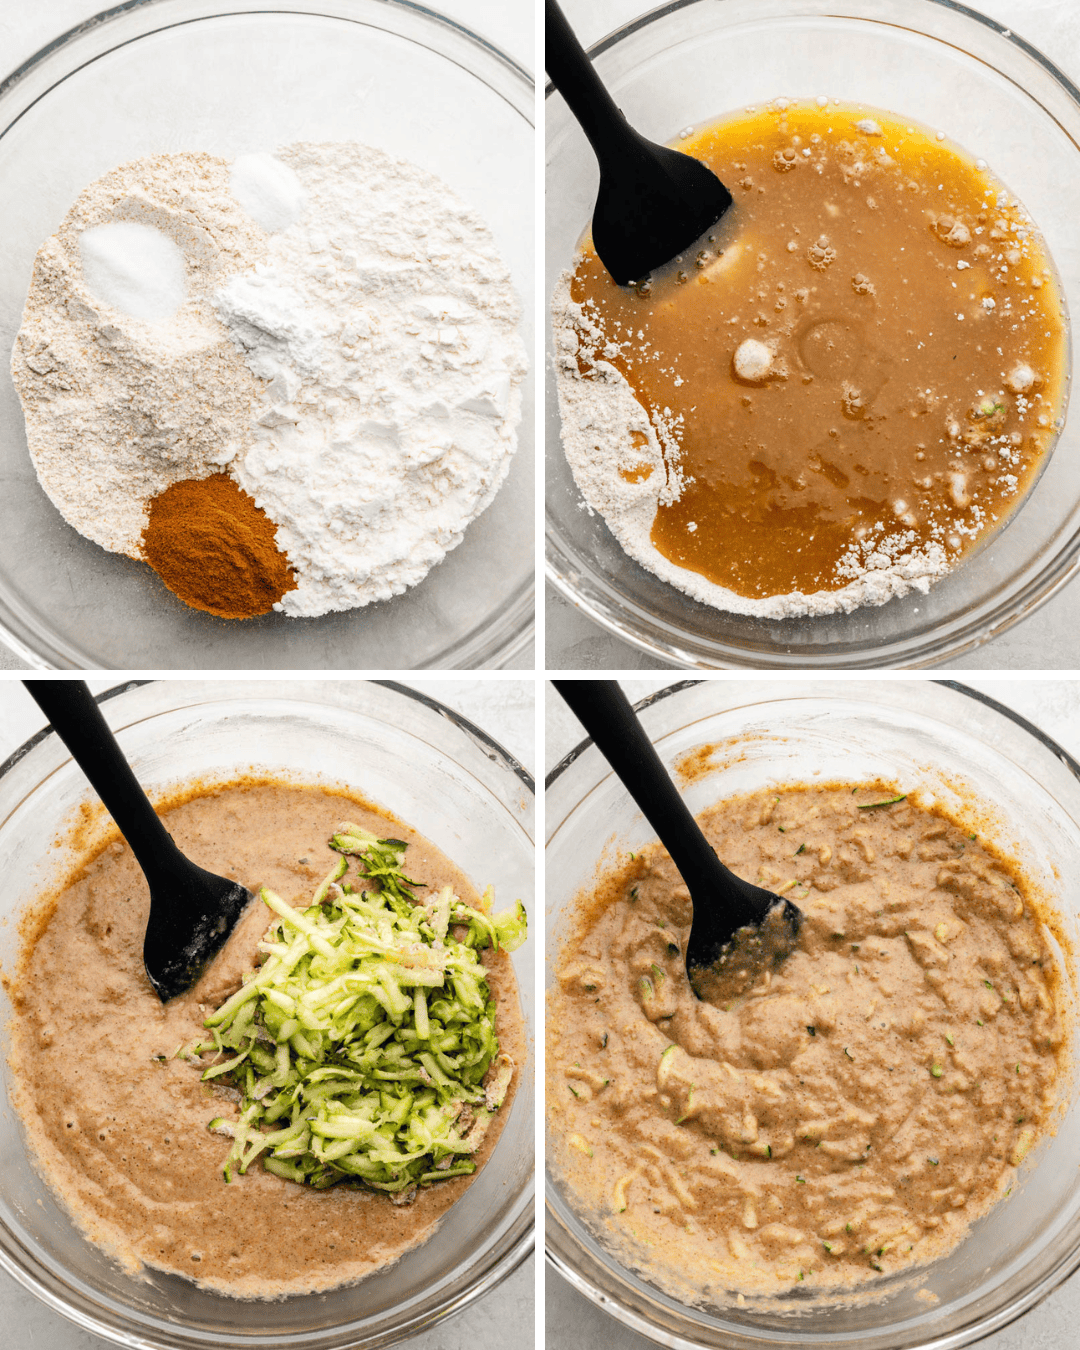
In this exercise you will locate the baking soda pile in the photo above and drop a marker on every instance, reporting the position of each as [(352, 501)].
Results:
[(330, 325)]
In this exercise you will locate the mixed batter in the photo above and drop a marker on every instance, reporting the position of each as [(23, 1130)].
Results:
[(860, 1107), (119, 1123), (318, 347), (853, 381)]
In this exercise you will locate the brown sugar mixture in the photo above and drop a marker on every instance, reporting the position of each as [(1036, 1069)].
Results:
[(215, 549), (860, 1107), (863, 368), (118, 1124)]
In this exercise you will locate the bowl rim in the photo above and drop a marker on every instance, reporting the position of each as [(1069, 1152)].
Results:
[(969, 633), (982, 1326), (509, 634), (958, 686), (953, 6), (128, 7), (520, 1247), (498, 751)]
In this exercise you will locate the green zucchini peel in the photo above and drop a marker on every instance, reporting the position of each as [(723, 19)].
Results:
[(364, 1047)]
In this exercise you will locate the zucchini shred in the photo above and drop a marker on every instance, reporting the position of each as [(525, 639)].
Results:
[(364, 1048)]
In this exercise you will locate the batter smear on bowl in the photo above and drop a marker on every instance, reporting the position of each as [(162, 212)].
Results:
[(862, 1105), (846, 389)]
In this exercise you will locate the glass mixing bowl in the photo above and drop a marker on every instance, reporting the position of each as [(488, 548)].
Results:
[(964, 747), (412, 755), (947, 67), (168, 75)]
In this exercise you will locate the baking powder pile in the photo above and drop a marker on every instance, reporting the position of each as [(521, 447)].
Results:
[(605, 429), (330, 325)]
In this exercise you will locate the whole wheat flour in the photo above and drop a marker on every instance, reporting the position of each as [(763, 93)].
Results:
[(346, 347), (605, 429), (117, 407)]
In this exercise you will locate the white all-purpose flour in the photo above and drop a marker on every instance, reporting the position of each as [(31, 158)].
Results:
[(386, 326), (346, 348)]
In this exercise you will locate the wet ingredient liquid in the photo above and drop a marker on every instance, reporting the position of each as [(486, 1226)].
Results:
[(867, 358)]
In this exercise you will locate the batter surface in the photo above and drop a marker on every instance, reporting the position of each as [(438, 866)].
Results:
[(119, 1126), (862, 1105)]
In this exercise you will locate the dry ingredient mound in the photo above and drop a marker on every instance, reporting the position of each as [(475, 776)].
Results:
[(330, 326)]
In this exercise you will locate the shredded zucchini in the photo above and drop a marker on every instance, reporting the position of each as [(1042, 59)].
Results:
[(364, 1047)]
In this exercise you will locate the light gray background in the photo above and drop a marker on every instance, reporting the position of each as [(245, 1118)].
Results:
[(572, 1321), (27, 25), (505, 709), (1050, 639)]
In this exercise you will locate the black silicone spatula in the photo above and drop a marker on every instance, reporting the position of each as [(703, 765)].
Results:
[(724, 904), (192, 912), (653, 202)]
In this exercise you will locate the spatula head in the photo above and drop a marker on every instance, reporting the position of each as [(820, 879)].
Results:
[(190, 921), (652, 204), (722, 966)]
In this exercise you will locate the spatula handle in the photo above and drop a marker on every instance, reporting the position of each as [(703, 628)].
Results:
[(605, 712), (573, 75), (77, 720)]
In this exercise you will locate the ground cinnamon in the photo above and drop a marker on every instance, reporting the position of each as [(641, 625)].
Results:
[(215, 549)]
